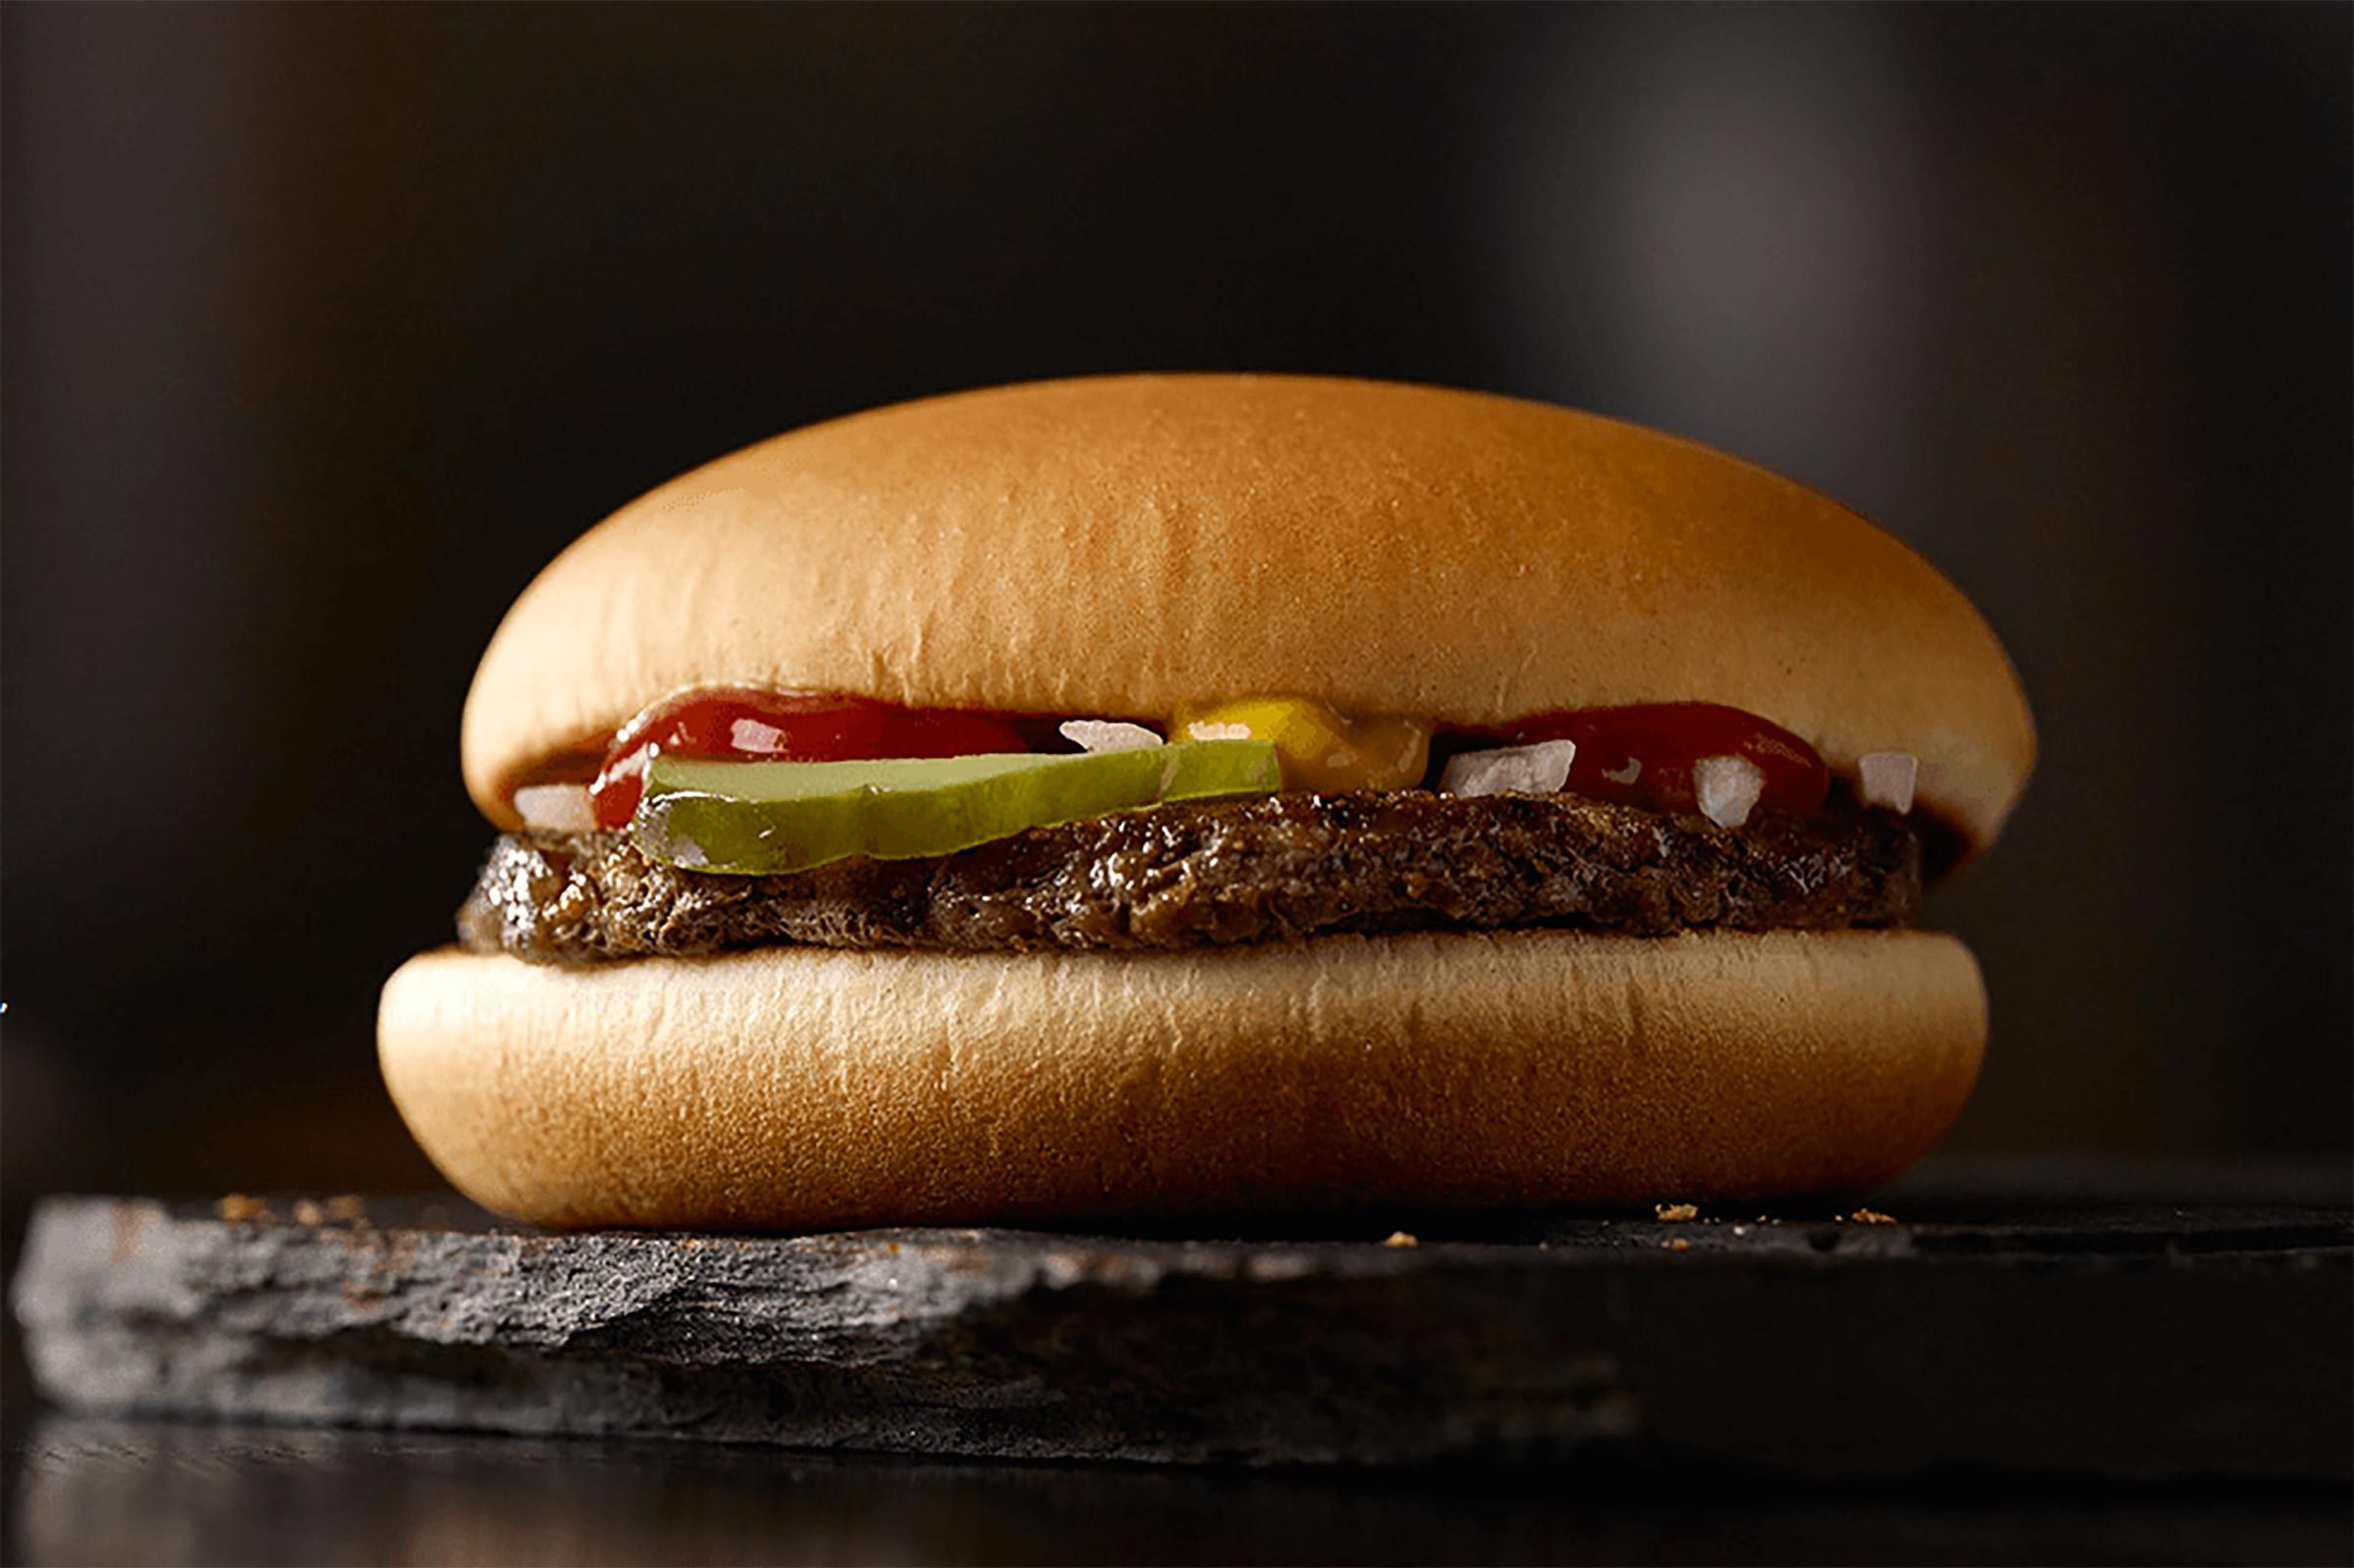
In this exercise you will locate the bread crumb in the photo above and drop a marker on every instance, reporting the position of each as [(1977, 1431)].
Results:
[(1870, 1217), (238, 1208), (1676, 1211), (1679, 1244), (1403, 1239), (344, 1209)]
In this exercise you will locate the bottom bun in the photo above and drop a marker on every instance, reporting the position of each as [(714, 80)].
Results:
[(797, 1087)]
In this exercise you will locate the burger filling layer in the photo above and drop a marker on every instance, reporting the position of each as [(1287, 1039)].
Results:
[(748, 822), (1238, 870)]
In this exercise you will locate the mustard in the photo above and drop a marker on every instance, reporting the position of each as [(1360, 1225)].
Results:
[(1318, 748)]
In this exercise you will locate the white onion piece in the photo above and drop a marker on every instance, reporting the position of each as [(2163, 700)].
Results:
[(1541, 769), (556, 808), (1204, 729), (1728, 788), (1887, 779), (753, 737), (1104, 735)]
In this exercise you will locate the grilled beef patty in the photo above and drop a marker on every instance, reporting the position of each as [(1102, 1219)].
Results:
[(1264, 869)]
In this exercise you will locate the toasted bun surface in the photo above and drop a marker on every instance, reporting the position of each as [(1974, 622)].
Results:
[(801, 1087), (1114, 548)]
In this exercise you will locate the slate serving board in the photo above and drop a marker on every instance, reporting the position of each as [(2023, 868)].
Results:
[(2112, 1335)]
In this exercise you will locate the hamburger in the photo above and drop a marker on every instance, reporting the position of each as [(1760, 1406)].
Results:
[(1173, 795)]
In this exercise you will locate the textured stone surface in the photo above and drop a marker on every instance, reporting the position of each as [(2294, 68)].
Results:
[(2152, 1341)]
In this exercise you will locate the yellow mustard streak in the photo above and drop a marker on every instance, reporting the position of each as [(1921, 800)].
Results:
[(1319, 750)]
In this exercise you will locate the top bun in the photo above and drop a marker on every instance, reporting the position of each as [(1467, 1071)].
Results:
[(1118, 546)]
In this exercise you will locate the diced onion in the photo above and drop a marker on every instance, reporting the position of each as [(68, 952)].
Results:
[(1541, 769), (556, 808), (1887, 779), (1104, 735), (1727, 788), (754, 738), (1205, 730)]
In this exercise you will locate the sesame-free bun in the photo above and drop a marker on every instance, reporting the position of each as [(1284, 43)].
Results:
[(1115, 547), (799, 1087)]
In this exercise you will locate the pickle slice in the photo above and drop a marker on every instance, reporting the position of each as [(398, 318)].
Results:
[(760, 818)]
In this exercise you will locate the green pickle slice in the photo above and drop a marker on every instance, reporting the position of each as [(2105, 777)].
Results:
[(761, 818)]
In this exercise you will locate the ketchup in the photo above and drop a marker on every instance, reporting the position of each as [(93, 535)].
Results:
[(740, 724), (1641, 755), (1644, 756)]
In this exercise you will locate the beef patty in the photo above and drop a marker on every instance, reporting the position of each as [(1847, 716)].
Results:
[(1264, 869)]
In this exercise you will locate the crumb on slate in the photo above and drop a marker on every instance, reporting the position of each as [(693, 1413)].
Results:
[(1676, 1211), (1679, 1244), (238, 1208), (1870, 1217), (1403, 1239), (344, 1209)]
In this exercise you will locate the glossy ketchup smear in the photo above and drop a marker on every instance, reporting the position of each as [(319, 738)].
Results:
[(1641, 755)]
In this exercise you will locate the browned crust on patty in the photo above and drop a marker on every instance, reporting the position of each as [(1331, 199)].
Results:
[(1270, 868)]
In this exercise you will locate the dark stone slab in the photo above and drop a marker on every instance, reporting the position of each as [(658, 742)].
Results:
[(2128, 1339)]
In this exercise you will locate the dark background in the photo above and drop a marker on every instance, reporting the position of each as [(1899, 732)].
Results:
[(324, 328)]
